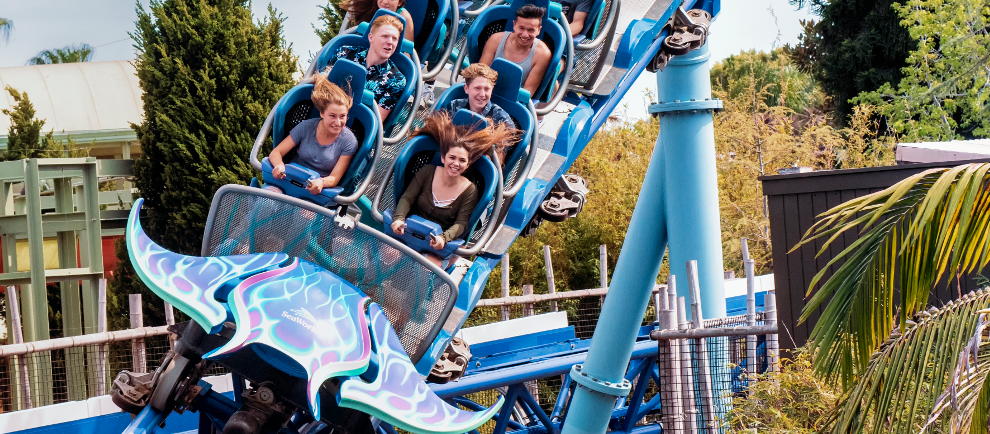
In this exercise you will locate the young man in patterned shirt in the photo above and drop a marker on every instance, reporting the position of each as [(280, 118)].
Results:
[(384, 78)]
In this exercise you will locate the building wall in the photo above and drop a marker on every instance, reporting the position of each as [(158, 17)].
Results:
[(794, 201)]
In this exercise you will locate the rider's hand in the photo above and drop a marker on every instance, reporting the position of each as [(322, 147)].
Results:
[(399, 226), (315, 186), (279, 171), (437, 242)]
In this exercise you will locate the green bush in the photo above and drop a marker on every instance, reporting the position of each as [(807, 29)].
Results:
[(793, 401)]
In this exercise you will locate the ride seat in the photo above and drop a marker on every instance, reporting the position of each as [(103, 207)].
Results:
[(423, 150), (499, 18), (508, 94), (430, 26), (402, 58), (591, 23), (296, 106)]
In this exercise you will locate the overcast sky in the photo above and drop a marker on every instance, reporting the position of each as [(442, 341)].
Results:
[(105, 24)]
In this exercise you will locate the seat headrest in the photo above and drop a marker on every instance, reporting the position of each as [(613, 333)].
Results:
[(516, 4), (350, 76), (470, 119), (510, 79)]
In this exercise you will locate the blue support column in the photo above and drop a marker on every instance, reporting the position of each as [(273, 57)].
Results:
[(601, 379), (691, 208), (679, 198)]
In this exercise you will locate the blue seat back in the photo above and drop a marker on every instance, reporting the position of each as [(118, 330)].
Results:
[(424, 150), (509, 95), (296, 106), (591, 23), (429, 24), (499, 18), (405, 65)]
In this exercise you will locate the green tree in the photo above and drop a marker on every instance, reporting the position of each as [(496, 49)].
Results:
[(877, 335), (943, 94), (331, 17), (69, 54), (210, 74), (759, 132), (856, 46), (25, 139), (781, 81)]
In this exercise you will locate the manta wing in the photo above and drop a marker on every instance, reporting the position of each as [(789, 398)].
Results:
[(191, 283), (399, 395)]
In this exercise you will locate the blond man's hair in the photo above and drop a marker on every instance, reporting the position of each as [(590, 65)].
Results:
[(479, 70), (326, 93), (386, 20)]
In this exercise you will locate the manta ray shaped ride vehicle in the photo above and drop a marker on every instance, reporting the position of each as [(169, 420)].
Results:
[(313, 345)]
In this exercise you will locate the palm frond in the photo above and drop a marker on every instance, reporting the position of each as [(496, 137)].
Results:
[(68, 54), (966, 396), (916, 232), (908, 375), (6, 25)]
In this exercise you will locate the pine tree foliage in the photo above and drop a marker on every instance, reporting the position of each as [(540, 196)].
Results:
[(945, 92), (210, 75), (25, 139), (331, 17)]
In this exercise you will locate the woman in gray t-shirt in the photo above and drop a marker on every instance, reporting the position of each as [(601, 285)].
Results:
[(323, 144)]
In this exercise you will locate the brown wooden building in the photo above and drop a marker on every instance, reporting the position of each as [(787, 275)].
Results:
[(794, 201)]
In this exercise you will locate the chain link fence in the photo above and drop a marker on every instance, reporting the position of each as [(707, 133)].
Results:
[(52, 376)]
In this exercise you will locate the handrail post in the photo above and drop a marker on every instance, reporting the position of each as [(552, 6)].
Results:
[(139, 361), (505, 285), (22, 369)]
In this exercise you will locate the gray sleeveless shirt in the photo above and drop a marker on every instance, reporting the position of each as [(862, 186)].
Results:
[(526, 64)]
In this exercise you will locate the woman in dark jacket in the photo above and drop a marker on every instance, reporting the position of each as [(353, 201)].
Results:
[(441, 193)]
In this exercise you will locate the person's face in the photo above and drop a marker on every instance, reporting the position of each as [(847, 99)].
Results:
[(455, 161), (392, 5), (334, 117), (384, 41), (479, 92), (526, 30)]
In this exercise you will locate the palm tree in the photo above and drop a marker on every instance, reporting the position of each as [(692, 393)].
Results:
[(6, 25), (877, 336), (68, 54)]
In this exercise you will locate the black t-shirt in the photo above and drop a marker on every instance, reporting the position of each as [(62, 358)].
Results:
[(571, 6)]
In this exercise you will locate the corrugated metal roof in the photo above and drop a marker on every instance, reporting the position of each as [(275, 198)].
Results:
[(76, 97)]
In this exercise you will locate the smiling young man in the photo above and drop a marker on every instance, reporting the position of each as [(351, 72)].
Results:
[(479, 82), (522, 46), (384, 78)]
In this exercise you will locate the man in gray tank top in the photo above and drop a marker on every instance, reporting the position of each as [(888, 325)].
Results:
[(522, 46)]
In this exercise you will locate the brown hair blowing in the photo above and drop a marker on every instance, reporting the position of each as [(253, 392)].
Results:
[(362, 10), (326, 93), (496, 136)]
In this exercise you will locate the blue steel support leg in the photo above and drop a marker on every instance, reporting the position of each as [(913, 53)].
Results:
[(691, 207), (683, 200), (600, 380)]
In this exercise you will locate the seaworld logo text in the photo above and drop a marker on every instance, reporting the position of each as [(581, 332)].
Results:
[(301, 317)]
